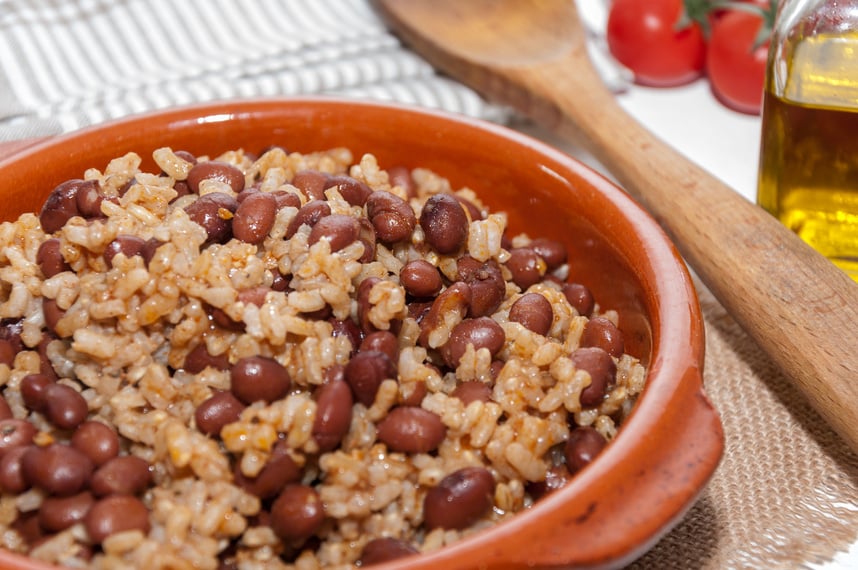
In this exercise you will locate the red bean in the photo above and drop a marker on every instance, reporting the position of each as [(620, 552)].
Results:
[(340, 230), (128, 185), (333, 414), (385, 549), (322, 314), (409, 429), (460, 499), (27, 526), (602, 333), (10, 330), (312, 183), (279, 282), (534, 312), (285, 199), (580, 297), (187, 156), (7, 353), (45, 365), (471, 391), (602, 370), (58, 469), (223, 320), (551, 251), (15, 433), (254, 217), (117, 513), (127, 245), (89, 198), (147, 252), (199, 358), (12, 479), (65, 407), (455, 298), (59, 513), (220, 409), (50, 258), (247, 192), (122, 475), (363, 304), (61, 204), (495, 368), (98, 441), (366, 371), (506, 242), (215, 170), (381, 341), (556, 478), (259, 378), (482, 332), (524, 265), (419, 310), (444, 223), (420, 278), (309, 215), (33, 390), (401, 176), (413, 396), (279, 471), (352, 190), (469, 206), (582, 447), (348, 329), (52, 313), (367, 238), (254, 295), (391, 216), (182, 189), (5, 410), (214, 213), (486, 282), (297, 514)]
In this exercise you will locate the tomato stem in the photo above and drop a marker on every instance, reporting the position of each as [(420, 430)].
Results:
[(695, 11), (700, 11)]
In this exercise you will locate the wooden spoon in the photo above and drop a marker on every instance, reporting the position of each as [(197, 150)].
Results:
[(531, 54)]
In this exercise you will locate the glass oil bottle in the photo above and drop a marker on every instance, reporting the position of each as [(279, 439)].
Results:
[(808, 175)]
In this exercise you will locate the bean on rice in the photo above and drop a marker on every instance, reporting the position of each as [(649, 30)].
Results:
[(239, 325)]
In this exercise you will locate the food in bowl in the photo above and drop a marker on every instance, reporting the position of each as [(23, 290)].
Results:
[(295, 359)]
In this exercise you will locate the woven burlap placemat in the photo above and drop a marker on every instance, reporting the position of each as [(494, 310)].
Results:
[(786, 491)]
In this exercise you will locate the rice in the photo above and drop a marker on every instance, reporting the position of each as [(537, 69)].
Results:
[(150, 336)]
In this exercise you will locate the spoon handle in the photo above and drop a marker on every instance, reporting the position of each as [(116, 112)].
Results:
[(797, 305)]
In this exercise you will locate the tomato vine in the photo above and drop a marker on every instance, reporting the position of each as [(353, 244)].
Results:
[(674, 42)]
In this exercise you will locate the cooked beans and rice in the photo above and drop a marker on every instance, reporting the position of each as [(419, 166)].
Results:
[(291, 360)]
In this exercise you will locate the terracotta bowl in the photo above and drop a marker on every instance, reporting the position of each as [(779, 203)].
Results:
[(647, 479)]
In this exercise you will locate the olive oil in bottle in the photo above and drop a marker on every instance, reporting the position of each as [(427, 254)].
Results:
[(809, 152)]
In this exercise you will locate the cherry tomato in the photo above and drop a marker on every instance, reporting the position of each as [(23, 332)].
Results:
[(735, 65), (644, 36)]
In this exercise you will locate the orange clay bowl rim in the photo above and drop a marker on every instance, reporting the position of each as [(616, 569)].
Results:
[(665, 452)]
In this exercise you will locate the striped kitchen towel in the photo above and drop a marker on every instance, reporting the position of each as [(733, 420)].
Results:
[(66, 64)]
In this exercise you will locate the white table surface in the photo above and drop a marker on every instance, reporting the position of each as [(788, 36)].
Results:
[(724, 142)]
